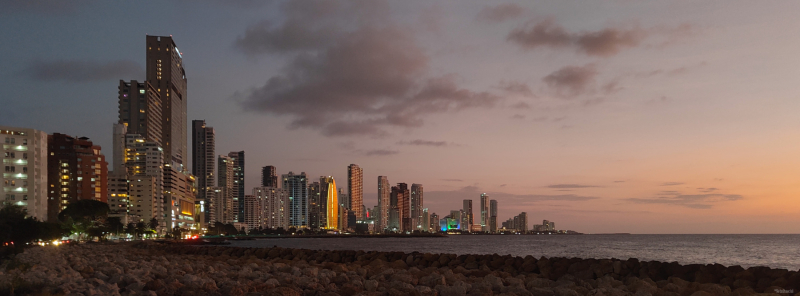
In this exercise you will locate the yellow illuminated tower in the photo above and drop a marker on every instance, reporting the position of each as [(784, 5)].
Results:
[(328, 188)]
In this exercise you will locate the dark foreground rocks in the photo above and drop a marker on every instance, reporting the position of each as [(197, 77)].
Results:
[(144, 268)]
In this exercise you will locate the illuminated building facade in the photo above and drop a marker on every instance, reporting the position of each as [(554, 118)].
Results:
[(254, 210), (237, 157), (484, 208), (426, 223), (25, 174), (145, 170), (355, 190), (76, 170), (330, 198), (384, 193), (297, 188), (400, 203), (225, 204), (415, 204), (276, 206), (165, 72)]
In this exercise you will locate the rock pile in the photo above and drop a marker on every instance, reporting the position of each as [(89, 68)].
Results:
[(156, 269)]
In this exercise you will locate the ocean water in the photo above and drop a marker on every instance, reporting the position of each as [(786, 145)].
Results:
[(772, 250)]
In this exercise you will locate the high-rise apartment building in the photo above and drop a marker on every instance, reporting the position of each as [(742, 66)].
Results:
[(76, 170), (269, 177), (180, 193), (238, 185), (25, 174), (434, 223), (144, 163), (315, 208), (484, 206), (521, 222), (276, 206), (468, 218), (426, 223), (384, 204), (166, 74), (225, 183), (140, 110), (415, 206), (254, 209), (329, 206), (400, 202), (297, 188), (492, 216), (203, 166), (355, 190)]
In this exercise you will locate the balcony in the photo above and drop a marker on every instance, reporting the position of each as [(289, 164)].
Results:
[(15, 161)]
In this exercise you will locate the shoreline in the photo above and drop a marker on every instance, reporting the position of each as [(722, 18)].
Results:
[(137, 268)]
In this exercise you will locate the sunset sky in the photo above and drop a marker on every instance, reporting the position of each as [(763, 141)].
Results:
[(603, 116)]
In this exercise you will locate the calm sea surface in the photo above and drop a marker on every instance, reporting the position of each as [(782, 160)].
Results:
[(776, 251)]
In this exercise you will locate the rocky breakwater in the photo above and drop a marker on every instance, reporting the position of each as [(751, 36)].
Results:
[(157, 269)]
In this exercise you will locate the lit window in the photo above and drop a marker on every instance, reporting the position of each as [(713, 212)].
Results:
[(141, 91)]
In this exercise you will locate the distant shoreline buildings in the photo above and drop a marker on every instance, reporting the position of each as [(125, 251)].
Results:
[(150, 181)]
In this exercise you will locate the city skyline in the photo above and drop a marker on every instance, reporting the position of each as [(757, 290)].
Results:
[(654, 130)]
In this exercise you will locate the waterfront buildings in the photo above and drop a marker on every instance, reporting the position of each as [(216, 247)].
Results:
[(384, 203), (434, 223), (484, 208), (330, 208), (25, 172), (416, 203), (425, 225), (203, 166), (254, 210), (76, 170), (144, 164), (315, 208), (140, 109), (517, 223), (237, 191), (269, 177), (467, 219), (166, 74), (492, 216), (276, 202), (355, 190), (297, 188), (399, 202), (224, 192)]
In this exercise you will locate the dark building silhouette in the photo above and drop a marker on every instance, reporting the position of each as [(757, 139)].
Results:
[(238, 184), (140, 109), (165, 72), (76, 170), (269, 176)]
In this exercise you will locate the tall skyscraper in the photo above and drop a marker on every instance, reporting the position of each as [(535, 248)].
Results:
[(416, 204), (76, 170), (522, 223), (384, 193), (315, 208), (329, 198), (426, 223), (493, 215), (203, 165), (165, 72), (269, 177), (484, 212), (140, 110), (224, 202), (355, 190), (468, 218), (25, 174), (276, 206), (297, 188), (238, 185), (400, 202)]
